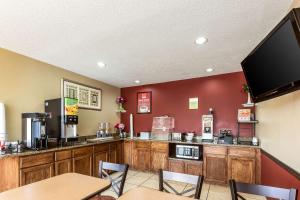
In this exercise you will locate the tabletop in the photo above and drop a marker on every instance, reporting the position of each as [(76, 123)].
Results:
[(70, 186), (141, 193)]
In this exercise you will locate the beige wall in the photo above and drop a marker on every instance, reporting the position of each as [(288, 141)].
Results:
[(279, 128), (26, 83)]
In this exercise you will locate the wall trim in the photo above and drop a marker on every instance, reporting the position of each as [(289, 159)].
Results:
[(283, 165)]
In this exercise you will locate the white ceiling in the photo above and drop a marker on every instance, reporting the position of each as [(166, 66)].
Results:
[(149, 40)]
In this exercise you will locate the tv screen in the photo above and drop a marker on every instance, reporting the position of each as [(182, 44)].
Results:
[(275, 63)]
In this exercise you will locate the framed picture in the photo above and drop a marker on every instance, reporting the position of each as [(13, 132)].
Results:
[(144, 102), (88, 96)]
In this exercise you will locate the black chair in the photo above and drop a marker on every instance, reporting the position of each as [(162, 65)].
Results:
[(117, 183), (266, 191), (196, 181)]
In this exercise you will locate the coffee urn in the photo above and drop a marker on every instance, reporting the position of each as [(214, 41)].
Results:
[(34, 130)]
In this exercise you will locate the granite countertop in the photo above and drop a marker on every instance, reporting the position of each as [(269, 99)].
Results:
[(85, 144), (192, 142)]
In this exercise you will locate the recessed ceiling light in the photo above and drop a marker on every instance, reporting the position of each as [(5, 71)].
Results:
[(209, 69), (101, 64), (201, 40), (137, 81)]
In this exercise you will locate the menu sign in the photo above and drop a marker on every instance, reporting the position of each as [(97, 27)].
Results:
[(71, 106), (144, 102)]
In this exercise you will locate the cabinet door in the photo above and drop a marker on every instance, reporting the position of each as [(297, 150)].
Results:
[(177, 166), (159, 160), (113, 156), (37, 173), (127, 154), (141, 159), (63, 166), (83, 165), (97, 157), (241, 169), (120, 153), (193, 168), (215, 168)]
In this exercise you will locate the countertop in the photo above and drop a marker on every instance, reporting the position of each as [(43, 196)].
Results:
[(85, 144)]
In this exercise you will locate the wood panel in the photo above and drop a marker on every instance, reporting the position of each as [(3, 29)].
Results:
[(63, 166), (127, 153), (36, 173), (141, 159), (219, 150), (63, 155), (100, 156), (141, 145), (83, 165), (83, 151), (34, 160), (101, 148), (9, 173), (159, 156), (194, 168), (215, 168), (120, 156), (241, 169), (176, 166), (159, 160), (241, 152)]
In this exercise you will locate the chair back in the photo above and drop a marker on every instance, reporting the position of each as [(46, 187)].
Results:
[(262, 190), (117, 183), (196, 181)]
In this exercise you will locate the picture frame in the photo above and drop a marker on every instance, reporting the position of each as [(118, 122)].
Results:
[(144, 102), (89, 97)]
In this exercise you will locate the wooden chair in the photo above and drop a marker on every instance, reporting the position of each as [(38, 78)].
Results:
[(117, 183), (165, 176), (266, 191)]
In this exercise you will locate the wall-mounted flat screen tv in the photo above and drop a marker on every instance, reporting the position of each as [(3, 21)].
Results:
[(273, 67)]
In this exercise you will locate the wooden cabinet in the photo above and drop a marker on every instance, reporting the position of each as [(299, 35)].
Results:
[(36, 173), (193, 168), (127, 152), (141, 155), (63, 166), (83, 161), (63, 162), (120, 152), (186, 166), (176, 166), (159, 156), (241, 165), (215, 164)]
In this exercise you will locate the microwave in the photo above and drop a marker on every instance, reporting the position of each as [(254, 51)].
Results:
[(188, 152)]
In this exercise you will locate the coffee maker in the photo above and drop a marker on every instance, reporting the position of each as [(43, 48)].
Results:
[(62, 125), (34, 130)]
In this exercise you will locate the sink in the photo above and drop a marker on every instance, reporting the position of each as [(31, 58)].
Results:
[(100, 139)]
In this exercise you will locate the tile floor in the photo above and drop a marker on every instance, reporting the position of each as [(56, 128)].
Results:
[(149, 180)]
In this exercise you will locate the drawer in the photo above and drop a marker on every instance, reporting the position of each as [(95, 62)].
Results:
[(33, 160), (142, 145), (215, 150), (63, 155), (159, 146), (241, 152), (101, 147), (82, 151)]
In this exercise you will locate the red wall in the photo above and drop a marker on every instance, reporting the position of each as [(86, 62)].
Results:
[(274, 175), (221, 92)]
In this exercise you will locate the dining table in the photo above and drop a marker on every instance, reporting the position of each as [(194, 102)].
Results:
[(69, 186), (142, 193)]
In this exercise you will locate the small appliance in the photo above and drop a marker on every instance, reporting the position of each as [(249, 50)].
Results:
[(145, 135), (63, 121), (225, 136), (177, 136), (188, 152), (34, 130)]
